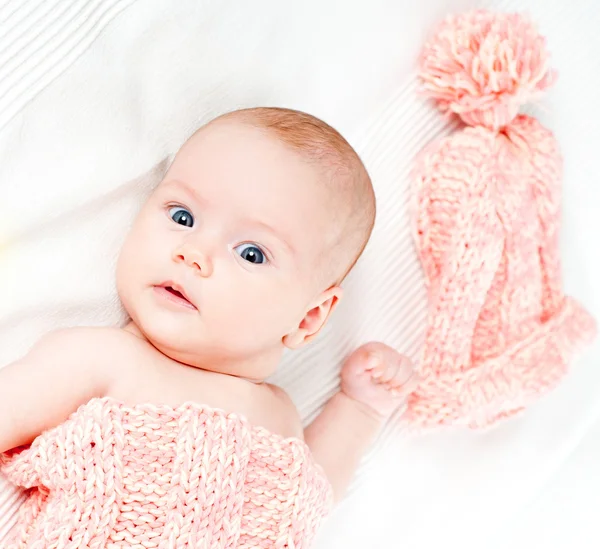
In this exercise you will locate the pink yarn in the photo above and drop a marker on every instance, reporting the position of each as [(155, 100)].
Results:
[(487, 204), (485, 66), (155, 476)]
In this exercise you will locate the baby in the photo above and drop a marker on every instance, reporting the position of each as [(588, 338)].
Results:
[(238, 254)]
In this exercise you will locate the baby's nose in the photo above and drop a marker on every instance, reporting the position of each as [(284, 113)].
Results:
[(192, 257)]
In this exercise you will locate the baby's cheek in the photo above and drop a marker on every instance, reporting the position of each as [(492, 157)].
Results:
[(255, 315)]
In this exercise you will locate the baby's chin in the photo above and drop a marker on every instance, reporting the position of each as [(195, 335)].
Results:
[(194, 348), (174, 335)]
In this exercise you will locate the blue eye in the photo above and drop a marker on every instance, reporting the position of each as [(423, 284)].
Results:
[(251, 253), (182, 216)]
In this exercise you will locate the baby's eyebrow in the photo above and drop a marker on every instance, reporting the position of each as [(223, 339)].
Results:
[(275, 233), (175, 183)]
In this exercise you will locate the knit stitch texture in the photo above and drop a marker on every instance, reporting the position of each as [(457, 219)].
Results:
[(487, 213), (143, 476)]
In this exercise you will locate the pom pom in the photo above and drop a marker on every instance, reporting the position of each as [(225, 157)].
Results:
[(483, 66)]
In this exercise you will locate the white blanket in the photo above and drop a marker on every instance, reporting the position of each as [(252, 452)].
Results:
[(96, 94)]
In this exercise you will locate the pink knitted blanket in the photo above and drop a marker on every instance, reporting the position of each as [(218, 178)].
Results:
[(156, 476)]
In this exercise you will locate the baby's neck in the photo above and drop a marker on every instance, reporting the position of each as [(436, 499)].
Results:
[(266, 362)]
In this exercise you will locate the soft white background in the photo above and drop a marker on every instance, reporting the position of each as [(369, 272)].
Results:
[(95, 94)]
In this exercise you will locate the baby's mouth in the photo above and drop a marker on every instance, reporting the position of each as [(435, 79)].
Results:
[(175, 292), (175, 295)]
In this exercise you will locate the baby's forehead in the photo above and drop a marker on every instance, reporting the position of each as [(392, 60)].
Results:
[(255, 175), (239, 154), (230, 134)]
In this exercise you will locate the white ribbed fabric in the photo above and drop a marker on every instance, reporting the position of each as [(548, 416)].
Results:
[(41, 39), (95, 94)]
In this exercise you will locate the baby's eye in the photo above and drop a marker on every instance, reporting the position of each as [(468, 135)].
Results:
[(182, 216), (251, 253)]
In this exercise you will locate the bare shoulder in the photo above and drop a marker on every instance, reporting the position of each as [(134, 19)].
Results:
[(63, 370), (75, 341), (90, 349), (281, 413), (79, 334)]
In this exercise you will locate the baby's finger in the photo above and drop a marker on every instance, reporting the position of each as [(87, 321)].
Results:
[(373, 361), (408, 385), (404, 371), (377, 368)]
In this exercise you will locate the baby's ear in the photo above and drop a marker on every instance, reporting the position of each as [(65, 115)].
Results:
[(315, 318)]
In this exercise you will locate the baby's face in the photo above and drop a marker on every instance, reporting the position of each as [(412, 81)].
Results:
[(238, 225)]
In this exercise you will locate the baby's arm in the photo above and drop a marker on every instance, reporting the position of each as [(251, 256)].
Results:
[(375, 381), (43, 388)]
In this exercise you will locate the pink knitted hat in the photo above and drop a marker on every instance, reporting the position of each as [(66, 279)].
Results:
[(487, 207)]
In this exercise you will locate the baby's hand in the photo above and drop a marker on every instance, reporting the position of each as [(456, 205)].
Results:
[(379, 377)]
